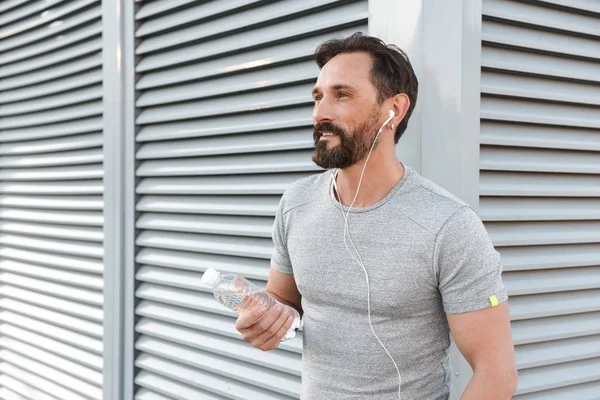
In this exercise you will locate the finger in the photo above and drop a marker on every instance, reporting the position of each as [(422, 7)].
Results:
[(262, 324), (275, 340), (268, 325), (250, 316)]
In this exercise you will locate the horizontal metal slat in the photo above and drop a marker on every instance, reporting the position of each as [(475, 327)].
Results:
[(171, 388), (63, 350), (51, 173), (65, 307), (53, 188), (251, 268), (277, 359), (296, 139), (539, 40), (263, 79), (553, 304), (40, 34), (548, 281), (538, 136), (52, 231), (328, 21), (200, 13), (59, 246), (45, 47), (539, 160), (64, 380), (77, 218), (63, 335), (252, 59), (69, 128), (546, 17), (168, 277), (40, 258), (220, 225), (148, 10), (65, 69), (575, 5), (528, 62), (585, 391), (556, 352), (45, 17), (75, 203), (555, 328), (76, 142), (51, 88), (536, 88), (508, 183), (24, 389), (145, 394), (243, 20), (199, 299), (85, 296), (51, 274), (11, 4), (203, 321), (70, 368), (554, 376), (220, 185), (246, 102), (515, 110), (26, 10), (548, 257), (242, 380), (62, 99), (90, 48), (7, 394), (537, 209), (220, 205), (258, 121), (256, 163), (56, 115), (226, 245), (542, 232)]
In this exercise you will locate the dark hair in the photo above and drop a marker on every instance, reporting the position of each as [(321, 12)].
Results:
[(391, 72)]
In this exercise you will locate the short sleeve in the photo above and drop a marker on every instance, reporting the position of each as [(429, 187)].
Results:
[(280, 259), (467, 265)]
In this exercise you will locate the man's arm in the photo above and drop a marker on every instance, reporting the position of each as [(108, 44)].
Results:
[(283, 288), (484, 338)]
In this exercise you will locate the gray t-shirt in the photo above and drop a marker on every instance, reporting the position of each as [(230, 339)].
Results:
[(427, 253)]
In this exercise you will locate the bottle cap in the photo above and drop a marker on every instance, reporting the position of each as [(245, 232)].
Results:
[(211, 277)]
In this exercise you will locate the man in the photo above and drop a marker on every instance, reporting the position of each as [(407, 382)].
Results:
[(382, 263)]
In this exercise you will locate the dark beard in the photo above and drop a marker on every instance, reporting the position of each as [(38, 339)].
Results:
[(352, 147)]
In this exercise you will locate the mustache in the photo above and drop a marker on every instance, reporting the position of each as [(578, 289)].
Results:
[(318, 129)]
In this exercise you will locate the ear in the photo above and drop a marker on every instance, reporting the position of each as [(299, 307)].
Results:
[(399, 105)]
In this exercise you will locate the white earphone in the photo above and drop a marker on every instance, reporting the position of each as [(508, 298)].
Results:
[(358, 257)]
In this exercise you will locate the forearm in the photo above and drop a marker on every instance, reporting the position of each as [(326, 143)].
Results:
[(294, 306), (490, 385)]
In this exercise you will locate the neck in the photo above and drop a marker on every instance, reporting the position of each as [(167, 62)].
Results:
[(382, 173)]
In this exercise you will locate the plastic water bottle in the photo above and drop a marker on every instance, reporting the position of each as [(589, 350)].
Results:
[(238, 294)]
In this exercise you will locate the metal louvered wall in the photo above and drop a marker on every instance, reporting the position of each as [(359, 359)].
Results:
[(540, 186), (224, 126), (51, 200)]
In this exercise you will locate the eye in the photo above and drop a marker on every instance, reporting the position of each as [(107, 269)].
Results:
[(317, 97), (343, 94)]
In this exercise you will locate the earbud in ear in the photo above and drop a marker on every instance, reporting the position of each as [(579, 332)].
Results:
[(392, 114)]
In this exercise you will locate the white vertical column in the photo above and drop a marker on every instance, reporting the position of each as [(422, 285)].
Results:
[(443, 41)]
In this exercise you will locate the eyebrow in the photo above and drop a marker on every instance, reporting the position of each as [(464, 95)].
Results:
[(316, 89)]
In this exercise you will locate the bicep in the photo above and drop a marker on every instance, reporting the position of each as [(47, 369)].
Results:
[(484, 337), (283, 287)]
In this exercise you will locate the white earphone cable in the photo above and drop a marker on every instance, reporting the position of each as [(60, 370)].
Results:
[(358, 257)]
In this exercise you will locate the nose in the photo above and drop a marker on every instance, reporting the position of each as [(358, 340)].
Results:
[(322, 112)]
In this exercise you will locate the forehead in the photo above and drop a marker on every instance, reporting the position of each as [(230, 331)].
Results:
[(352, 69)]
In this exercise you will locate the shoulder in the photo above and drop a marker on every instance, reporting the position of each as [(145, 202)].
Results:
[(431, 206), (304, 191)]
